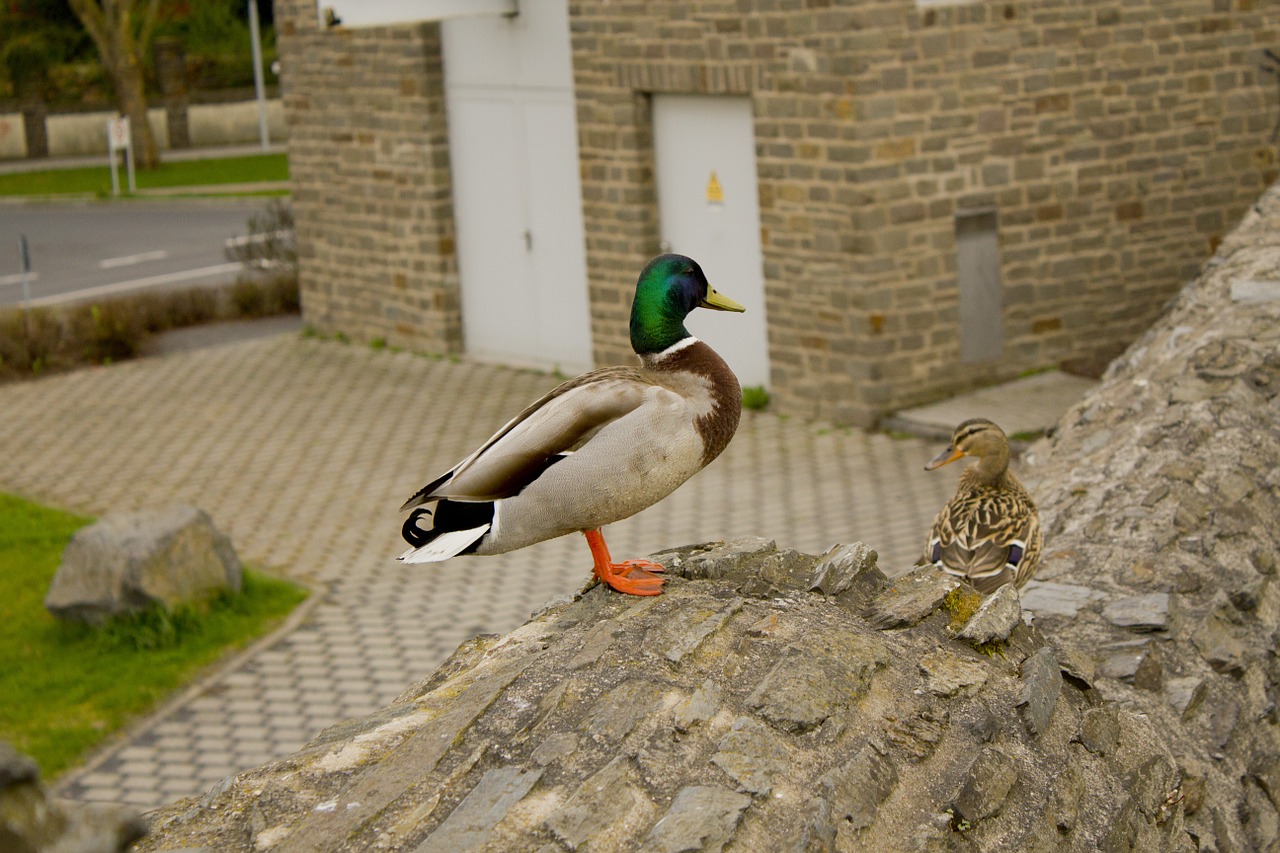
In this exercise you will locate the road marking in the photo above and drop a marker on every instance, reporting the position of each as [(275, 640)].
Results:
[(17, 277), (135, 284), (130, 260)]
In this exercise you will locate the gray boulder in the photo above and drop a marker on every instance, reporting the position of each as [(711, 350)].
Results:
[(129, 560), (31, 821)]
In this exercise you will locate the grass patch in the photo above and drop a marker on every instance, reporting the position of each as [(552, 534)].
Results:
[(755, 398), (67, 687), (96, 180)]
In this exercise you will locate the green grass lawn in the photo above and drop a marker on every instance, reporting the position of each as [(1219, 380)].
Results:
[(64, 688), (96, 180)]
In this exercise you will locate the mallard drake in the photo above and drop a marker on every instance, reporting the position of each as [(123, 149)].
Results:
[(598, 448), (989, 533)]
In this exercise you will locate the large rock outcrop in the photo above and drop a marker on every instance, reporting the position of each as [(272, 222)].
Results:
[(739, 710), (1160, 496)]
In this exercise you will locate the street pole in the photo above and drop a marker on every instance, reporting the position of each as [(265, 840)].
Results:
[(258, 84)]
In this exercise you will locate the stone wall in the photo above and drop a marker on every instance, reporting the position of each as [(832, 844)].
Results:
[(1160, 500), (1117, 143), (369, 162)]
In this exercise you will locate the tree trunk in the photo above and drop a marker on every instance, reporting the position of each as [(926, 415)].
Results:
[(119, 46)]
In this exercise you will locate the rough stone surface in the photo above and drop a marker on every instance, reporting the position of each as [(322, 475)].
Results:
[(127, 561), (996, 617), (32, 821), (1161, 491), (787, 721)]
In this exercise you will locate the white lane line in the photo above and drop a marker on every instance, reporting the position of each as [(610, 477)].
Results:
[(16, 278), (130, 260), (135, 284)]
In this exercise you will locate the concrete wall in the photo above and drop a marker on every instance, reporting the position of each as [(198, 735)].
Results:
[(76, 134), (1116, 141)]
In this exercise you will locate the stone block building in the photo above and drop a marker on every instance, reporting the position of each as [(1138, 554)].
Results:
[(948, 193)]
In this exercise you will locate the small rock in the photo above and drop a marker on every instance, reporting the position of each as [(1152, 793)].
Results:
[(1058, 599), (1041, 684), (911, 598), (470, 824), (601, 805), (947, 674), (996, 618), (1121, 660), (32, 821), (127, 561), (803, 690), (858, 787), (719, 559), (1150, 672), (700, 818), (751, 755), (1139, 612), (1184, 694), (1221, 642), (990, 779), (1100, 730), (842, 566), (698, 708), (1254, 292)]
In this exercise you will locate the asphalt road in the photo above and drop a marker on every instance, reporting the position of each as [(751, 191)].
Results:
[(91, 249)]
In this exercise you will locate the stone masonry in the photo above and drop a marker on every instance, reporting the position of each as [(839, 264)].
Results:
[(1115, 142), (368, 158)]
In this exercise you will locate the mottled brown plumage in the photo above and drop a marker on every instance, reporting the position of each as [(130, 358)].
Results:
[(989, 532)]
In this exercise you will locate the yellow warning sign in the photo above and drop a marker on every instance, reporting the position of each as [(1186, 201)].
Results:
[(715, 194)]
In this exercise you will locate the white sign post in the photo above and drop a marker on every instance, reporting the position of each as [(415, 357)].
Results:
[(118, 137)]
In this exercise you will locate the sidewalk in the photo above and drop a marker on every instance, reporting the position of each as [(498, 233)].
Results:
[(302, 450)]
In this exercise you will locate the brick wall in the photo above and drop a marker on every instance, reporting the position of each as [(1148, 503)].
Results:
[(1116, 141), (369, 163)]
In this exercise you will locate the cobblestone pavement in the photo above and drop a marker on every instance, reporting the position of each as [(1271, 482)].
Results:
[(302, 450)]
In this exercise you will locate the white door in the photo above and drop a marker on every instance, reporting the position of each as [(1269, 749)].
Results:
[(513, 147), (709, 205)]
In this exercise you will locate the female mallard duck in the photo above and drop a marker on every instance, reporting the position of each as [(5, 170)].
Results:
[(989, 533), (598, 448)]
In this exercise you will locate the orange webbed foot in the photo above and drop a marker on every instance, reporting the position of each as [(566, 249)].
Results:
[(633, 577)]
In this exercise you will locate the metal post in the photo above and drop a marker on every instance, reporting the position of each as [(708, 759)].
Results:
[(258, 85), (24, 252)]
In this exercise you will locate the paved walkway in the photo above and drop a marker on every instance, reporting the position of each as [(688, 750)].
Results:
[(302, 450)]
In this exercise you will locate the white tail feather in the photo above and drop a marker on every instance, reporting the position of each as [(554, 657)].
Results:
[(444, 546)]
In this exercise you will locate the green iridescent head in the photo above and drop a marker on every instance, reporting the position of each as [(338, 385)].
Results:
[(670, 286)]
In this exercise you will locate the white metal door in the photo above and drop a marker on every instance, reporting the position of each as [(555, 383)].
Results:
[(710, 210), (517, 194)]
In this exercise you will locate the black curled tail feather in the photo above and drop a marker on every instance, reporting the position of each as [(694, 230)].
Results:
[(449, 515), (412, 533)]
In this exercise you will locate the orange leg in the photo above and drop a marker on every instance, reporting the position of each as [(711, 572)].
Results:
[(635, 577)]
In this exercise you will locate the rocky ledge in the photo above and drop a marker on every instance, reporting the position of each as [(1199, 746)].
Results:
[(769, 700)]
